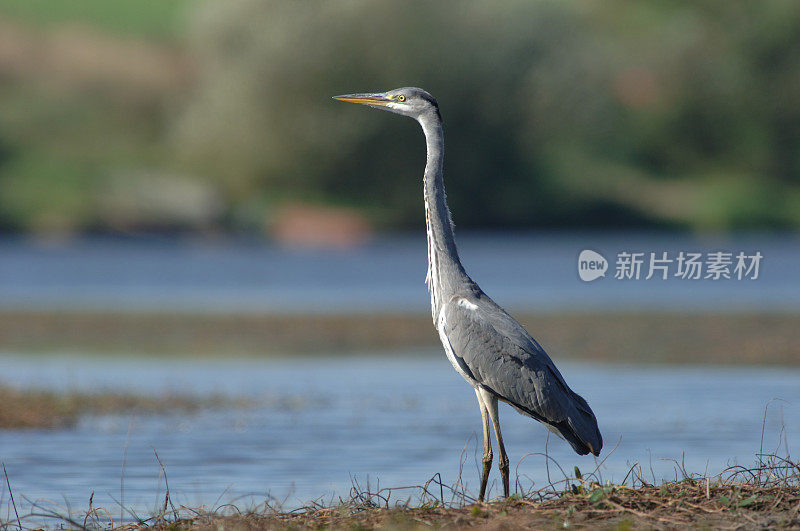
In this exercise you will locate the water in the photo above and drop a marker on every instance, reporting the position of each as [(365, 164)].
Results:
[(395, 419), (522, 272)]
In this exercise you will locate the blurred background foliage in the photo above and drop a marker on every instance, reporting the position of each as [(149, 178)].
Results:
[(216, 116)]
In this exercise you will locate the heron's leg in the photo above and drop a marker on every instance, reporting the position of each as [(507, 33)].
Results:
[(491, 405), (487, 444)]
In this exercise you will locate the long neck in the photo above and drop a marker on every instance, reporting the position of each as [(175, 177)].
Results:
[(445, 272)]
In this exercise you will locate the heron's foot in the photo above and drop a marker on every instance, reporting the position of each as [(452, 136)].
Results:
[(504, 474)]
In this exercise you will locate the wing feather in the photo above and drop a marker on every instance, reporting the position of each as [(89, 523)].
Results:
[(503, 357)]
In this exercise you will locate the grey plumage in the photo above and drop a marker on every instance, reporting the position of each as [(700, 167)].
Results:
[(487, 346), (505, 360)]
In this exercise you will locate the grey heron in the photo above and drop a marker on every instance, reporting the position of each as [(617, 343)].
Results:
[(485, 345)]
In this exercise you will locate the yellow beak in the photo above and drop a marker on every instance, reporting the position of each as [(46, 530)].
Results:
[(365, 99)]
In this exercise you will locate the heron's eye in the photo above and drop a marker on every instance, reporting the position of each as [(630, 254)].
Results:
[(401, 98)]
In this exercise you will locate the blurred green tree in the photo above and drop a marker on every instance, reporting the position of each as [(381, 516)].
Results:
[(557, 114)]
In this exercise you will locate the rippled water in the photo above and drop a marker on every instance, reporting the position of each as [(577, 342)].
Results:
[(395, 419), (536, 271)]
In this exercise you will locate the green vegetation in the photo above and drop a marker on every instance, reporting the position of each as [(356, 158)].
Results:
[(136, 18), (189, 115)]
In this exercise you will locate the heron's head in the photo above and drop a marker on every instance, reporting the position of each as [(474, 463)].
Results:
[(410, 101)]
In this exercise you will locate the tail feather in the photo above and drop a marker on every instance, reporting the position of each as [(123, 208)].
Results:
[(580, 429)]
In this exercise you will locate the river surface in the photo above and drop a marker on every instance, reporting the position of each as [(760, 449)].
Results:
[(525, 272), (391, 420), (395, 419)]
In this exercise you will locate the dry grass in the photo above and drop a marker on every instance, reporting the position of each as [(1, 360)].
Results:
[(767, 495), (44, 409), (671, 506)]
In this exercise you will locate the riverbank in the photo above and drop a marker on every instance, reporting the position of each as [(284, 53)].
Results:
[(764, 496), (669, 506), (666, 337)]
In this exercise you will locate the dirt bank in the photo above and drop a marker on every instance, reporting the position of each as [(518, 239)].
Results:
[(623, 337)]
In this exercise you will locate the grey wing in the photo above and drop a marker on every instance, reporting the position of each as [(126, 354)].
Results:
[(503, 358)]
